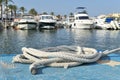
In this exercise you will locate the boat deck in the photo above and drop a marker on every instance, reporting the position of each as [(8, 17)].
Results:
[(108, 68)]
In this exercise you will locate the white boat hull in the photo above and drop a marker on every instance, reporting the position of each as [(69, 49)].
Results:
[(102, 26), (27, 26), (46, 25), (82, 25)]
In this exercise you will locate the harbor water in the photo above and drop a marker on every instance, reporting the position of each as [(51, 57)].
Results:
[(11, 41)]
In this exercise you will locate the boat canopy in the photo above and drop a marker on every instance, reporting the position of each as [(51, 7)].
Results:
[(108, 20), (81, 10), (80, 7)]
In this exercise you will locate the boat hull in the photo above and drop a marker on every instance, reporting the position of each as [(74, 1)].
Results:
[(47, 25), (26, 25), (81, 25)]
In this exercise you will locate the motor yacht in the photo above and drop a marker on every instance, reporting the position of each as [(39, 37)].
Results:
[(47, 22), (108, 23), (26, 22), (81, 19)]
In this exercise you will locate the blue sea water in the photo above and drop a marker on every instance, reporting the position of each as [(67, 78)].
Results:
[(11, 41)]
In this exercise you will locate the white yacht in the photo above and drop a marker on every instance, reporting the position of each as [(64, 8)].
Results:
[(26, 22), (47, 22), (81, 19), (106, 23)]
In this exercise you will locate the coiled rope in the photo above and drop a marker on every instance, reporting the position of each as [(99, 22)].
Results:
[(74, 56)]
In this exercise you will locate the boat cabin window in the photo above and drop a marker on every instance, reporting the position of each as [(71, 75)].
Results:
[(82, 17)]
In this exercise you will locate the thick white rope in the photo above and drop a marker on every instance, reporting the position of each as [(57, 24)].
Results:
[(40, 58)]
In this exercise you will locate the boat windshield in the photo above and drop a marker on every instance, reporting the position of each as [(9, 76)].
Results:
[(81, 12), (28, 17), (47, 17)]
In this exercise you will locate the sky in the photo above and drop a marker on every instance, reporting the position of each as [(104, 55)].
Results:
[(65, 7)]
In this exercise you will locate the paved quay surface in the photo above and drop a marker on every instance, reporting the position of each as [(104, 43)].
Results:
[(107, 68)]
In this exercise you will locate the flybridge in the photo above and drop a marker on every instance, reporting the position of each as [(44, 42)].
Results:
[(80, 10)]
